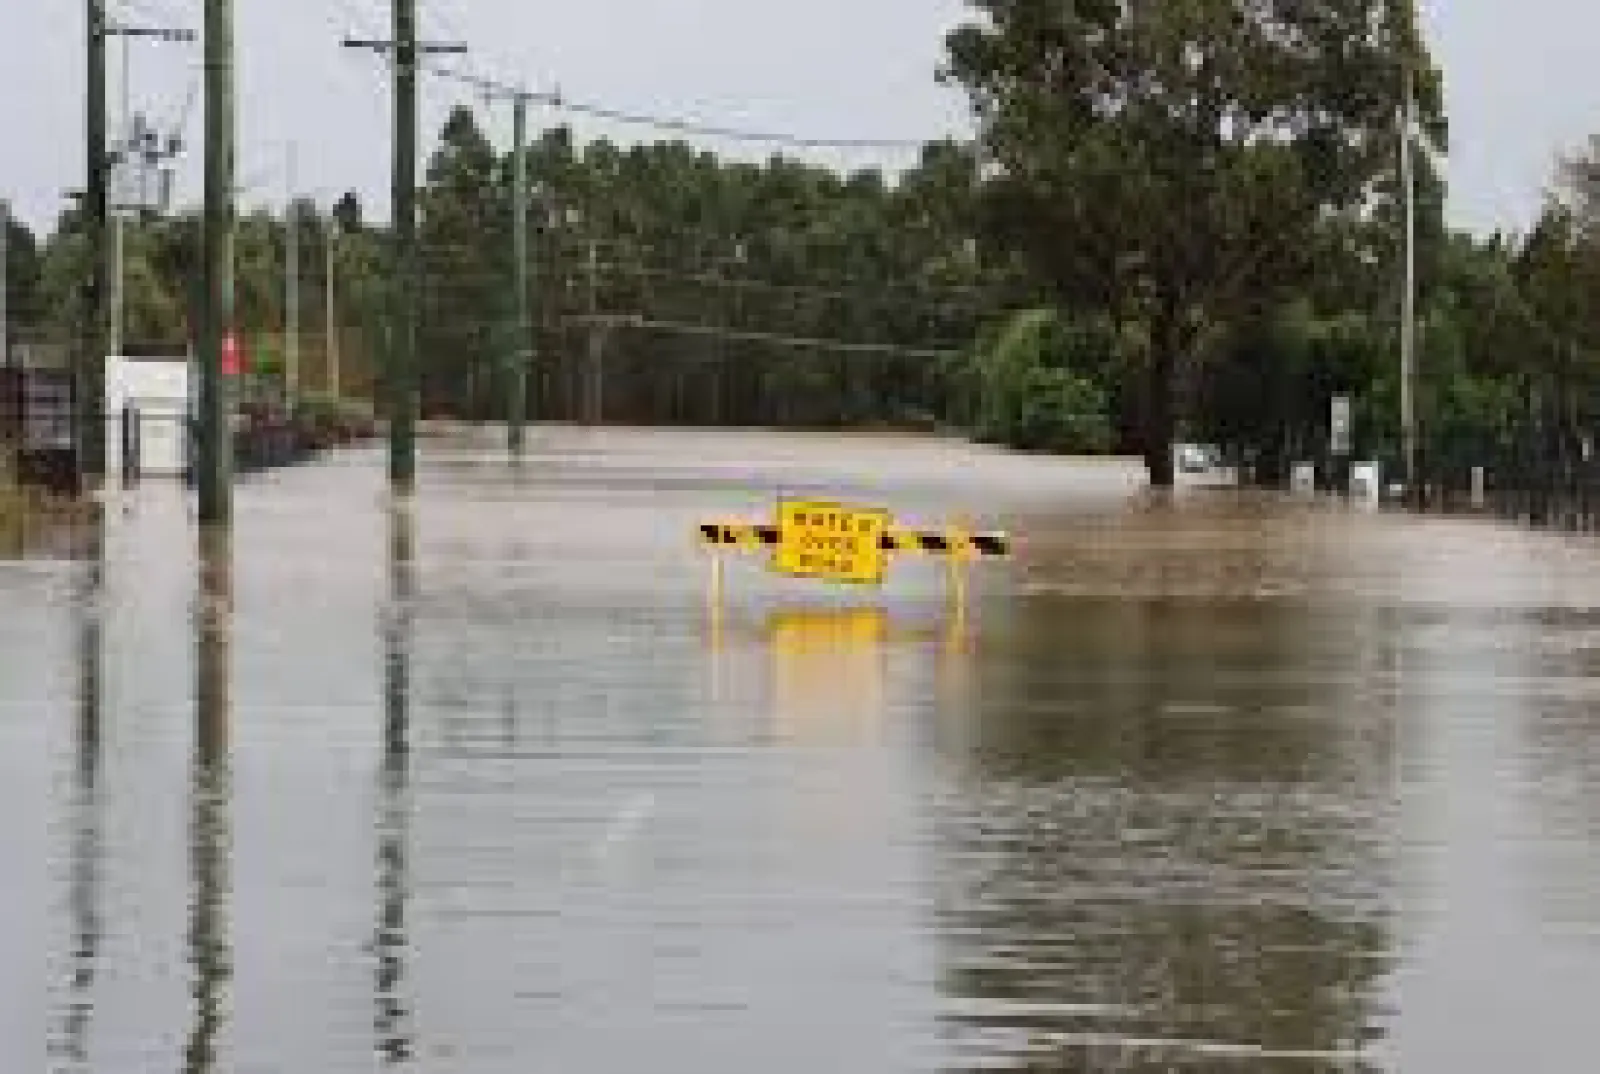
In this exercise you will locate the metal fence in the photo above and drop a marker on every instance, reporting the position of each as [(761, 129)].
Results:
[(1540, 470)]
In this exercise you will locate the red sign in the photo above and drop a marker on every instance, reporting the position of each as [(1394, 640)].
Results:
[(232, 356)]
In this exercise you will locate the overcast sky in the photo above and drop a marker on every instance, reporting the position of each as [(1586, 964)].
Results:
[(1523, 82)]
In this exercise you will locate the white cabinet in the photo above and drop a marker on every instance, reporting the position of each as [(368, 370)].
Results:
[(157, 391)]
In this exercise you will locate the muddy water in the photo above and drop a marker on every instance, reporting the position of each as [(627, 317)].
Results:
[(1222, 783)]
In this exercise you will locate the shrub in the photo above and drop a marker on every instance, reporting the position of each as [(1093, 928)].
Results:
[(1036, 389)]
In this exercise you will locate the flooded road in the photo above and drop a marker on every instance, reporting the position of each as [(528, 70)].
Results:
[(1219, 784)]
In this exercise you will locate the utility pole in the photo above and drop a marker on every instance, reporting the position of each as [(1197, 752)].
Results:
[(402, 371), (1408, 312), (214, 441), (403, 359), (331, 346), (122, 159), (5, 283), (291, 284), (89, 376), (522, 345), (596, 339), (519, 350)]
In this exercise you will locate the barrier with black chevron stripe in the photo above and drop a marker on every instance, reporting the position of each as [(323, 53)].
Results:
[(765, 535), (844, 543)]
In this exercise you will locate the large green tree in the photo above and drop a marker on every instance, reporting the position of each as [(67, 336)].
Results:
[(1174, 161)]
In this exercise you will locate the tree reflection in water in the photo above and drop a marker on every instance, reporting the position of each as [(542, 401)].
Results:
[(1169, 849)]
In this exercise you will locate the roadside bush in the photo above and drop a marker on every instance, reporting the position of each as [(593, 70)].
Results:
[(325, 421), (1062, 413), (1037, 388), (10, 494)]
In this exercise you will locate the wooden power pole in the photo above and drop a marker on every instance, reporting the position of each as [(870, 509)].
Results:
[(214, 441), (89, 372), (401, 381), (522, 345)]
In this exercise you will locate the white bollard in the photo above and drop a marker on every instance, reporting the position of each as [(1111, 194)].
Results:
[(1479, 488), (1366, 485), (1303, 479)]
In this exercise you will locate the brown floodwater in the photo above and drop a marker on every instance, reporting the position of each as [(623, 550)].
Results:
[(1218, 782)]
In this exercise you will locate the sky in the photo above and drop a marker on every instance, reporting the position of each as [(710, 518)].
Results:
[(1523, 84)]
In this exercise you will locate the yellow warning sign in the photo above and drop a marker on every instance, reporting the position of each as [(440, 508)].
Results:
[(832, 541)]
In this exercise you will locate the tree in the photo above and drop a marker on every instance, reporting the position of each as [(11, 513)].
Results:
[(347, 213), (1038, 386), (22, 274), (747, 273), (1173, 161), (61, 275), (154, 310), (466, 269)]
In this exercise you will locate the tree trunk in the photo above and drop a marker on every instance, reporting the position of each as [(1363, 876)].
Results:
[(1159, 421)]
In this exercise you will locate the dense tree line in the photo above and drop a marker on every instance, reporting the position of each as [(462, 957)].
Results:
[(1180, 219), (668, 285)]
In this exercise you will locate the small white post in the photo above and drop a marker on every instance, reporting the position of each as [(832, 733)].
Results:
[(1366, 486), (1303, 479)]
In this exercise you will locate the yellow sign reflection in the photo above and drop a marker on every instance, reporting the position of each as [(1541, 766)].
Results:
[(828, 673)]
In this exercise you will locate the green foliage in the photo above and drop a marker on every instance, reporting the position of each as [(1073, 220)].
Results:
[(1266, 393), (1175, 164), (264, 351), (23, 269), (324, 420), (1036, 385), (65, 265), (1187, 218), (1061, 412)]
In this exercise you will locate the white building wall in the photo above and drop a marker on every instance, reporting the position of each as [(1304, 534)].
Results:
[(159, 390)]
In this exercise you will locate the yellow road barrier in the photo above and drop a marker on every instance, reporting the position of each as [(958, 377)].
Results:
[(845, 543)]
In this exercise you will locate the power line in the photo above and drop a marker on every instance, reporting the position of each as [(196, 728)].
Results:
[(821, 285), (927, 299), (446, 16), (677, 125), (883, 295), (740, 335)]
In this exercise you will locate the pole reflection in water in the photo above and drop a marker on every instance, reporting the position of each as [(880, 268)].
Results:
[(87, 851), (392, 1018), (210, 951)]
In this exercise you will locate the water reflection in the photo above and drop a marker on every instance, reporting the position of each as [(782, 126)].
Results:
[(827, 673), (393, 1015), (1561, 741), (1169, 850), (87, 853), (1100, 827), (210, 832)]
